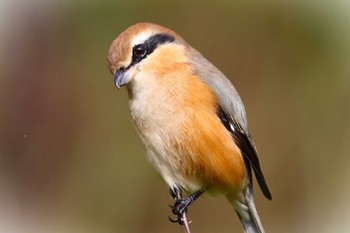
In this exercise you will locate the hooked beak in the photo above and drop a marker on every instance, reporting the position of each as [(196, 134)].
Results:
[(121, 77)]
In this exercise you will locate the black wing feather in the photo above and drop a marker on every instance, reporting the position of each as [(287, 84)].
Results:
[(246, 144)]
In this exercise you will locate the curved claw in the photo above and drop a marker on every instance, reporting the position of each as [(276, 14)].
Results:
[(177, 220), (173, 220), (179, 209)]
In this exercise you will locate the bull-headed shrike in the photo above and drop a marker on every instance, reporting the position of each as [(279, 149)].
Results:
[(190, 119)]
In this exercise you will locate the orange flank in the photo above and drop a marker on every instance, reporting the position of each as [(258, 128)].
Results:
[(214, 157)]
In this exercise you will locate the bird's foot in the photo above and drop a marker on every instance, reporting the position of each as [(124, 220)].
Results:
[(179, 208), (181, 204)]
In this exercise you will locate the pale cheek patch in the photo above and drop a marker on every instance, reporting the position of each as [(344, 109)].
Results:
[(172, 52), (164, 58)]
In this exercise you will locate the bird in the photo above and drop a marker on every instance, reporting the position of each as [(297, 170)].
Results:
[(190, 119)]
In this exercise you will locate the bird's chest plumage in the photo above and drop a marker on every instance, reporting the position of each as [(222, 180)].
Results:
[(159, 117)]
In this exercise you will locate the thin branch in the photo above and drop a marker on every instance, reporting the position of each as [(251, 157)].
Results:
[(185, 223), (183, 217)]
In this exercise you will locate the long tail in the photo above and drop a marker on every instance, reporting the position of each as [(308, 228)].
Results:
[(248, 214)]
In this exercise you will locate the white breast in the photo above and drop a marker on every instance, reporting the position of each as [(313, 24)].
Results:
[(158, 123)]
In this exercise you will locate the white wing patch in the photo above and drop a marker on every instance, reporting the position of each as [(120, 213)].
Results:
[(232, 127)]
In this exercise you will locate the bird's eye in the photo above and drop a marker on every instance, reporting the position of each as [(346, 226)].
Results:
[(140, 50)]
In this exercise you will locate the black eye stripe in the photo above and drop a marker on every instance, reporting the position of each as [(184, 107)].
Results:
[(158, 39), (150, 45)]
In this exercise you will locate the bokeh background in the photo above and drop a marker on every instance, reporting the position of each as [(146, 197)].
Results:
[(69, 157)]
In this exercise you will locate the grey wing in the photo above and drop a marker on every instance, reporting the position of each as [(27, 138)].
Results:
[(229, 98)]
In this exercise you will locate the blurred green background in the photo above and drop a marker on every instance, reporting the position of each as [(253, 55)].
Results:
[(69, 157)]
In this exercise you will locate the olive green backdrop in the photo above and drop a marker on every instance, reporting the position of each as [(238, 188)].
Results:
[(69, 157)]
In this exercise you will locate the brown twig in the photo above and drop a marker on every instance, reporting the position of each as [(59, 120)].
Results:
[(185, 223)]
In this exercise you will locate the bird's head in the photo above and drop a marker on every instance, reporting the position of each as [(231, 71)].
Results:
[(142, 46)]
